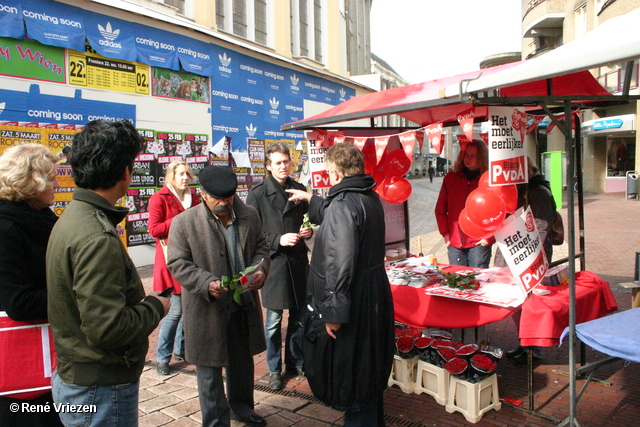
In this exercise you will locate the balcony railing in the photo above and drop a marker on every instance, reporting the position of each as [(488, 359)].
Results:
[(541, 50), (531, 4), (614, 80)]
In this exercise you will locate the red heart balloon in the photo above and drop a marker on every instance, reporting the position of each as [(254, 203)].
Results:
[(470, 229), (485, 208), (395, 189), (395, 163)]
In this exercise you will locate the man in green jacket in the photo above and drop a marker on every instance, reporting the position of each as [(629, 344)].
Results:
[(99, 315)]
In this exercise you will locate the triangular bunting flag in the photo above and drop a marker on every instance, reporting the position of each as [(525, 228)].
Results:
[(381, 145), (434, 134), (466, 122), (408, 141)]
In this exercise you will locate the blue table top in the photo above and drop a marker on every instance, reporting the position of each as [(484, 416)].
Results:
[(616, 335)]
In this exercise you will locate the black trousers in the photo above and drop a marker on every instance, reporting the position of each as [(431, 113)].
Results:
[(371, 417)]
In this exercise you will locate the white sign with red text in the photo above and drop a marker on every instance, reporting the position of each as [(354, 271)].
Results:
[(507, 151), (521, 246), (319, 175)]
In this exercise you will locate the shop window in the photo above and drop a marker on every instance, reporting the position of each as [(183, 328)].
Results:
[(620, 156)]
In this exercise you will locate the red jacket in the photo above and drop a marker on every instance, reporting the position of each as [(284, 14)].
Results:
[(453, 195), (163, 206)]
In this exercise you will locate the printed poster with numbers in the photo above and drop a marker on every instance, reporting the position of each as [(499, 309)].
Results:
[(138, 217), (91, 70), (197, 158), (11, 136), (169, 147), (256, 159)]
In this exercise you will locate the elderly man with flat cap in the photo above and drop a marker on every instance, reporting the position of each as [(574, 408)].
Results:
[(220, 237)]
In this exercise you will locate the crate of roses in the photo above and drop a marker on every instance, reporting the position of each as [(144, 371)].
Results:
[(473, 364)]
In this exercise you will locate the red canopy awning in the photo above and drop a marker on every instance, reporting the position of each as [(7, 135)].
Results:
[(421, 102)]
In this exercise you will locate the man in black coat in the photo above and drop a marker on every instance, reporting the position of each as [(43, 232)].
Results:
[(349, 337), (284, 289)]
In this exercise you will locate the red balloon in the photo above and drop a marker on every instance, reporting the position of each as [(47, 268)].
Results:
[(484, 180), (395, 189), (509, 193), (470, 229), (395, 163), (486, 208), (378, 176), (369, 153)]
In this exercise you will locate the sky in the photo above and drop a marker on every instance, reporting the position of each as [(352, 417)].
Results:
[(424, 40)]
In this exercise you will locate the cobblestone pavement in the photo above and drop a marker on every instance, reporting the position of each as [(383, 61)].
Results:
[(612, 239)]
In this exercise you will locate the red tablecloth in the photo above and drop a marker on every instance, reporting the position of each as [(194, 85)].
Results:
[(544, 318), (415, 308)]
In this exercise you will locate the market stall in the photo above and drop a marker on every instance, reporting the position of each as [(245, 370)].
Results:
[(557, 82)]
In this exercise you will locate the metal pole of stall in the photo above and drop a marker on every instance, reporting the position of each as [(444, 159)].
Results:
[(569, 146)]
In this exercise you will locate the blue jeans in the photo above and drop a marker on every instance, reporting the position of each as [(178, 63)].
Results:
[(115, 405), (293, 341), (477, 256), (171, 331)]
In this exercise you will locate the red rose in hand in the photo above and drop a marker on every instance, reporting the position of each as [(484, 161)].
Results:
[(244, 280)]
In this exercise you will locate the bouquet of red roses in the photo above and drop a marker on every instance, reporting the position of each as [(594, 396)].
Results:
[(405, 347), (483, 366), (463, 282), (456, 366), (238, 283)]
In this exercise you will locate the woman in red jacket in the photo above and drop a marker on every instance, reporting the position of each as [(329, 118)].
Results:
[(456, 186), (174, 197)]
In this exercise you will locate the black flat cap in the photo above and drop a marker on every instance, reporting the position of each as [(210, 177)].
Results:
[(219, 181)]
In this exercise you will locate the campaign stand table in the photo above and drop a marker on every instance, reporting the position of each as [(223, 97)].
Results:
[(542, 321), (415, 308), (545, 317)]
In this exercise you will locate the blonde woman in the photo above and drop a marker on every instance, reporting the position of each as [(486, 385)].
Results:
[(27, 185), (174, 197), (472, 162)]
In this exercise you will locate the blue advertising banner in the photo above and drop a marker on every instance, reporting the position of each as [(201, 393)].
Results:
[(251, 98), (54, 23), (36, 107), (156, 47), (11, 24), (110, 37), (226, 63), (195, 56)]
